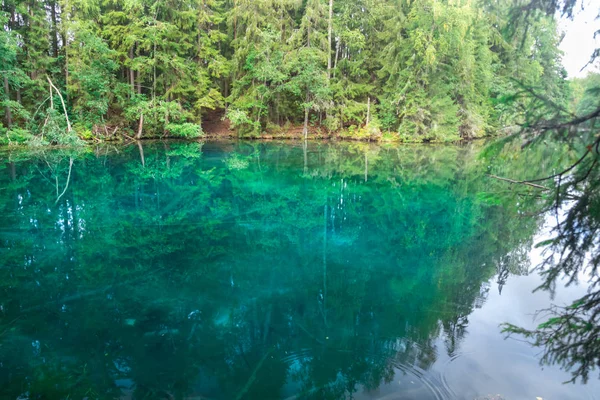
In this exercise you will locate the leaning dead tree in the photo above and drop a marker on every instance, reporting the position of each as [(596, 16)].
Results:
[(62, 101)]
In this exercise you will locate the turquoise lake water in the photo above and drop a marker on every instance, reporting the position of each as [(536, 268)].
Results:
[(243, 270)]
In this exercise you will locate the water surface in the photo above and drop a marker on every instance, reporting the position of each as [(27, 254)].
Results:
[(269, 271)]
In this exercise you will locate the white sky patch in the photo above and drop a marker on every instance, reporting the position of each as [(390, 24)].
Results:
[(579, 43)]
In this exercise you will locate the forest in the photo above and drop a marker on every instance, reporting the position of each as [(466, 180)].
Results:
[(391, 70)]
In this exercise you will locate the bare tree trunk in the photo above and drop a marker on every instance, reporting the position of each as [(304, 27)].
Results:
[(140, 127), (62, 102), (329, 30), (7, 113)]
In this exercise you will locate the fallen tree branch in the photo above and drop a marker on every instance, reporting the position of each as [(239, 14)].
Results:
[(519, 182)]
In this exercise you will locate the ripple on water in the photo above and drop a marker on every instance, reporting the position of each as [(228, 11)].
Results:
[(409, 382), (506, 375)]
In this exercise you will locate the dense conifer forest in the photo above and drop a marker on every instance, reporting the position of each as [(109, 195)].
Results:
[(401, 70)]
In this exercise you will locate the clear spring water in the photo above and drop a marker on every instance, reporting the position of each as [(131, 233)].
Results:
[(269, 271)]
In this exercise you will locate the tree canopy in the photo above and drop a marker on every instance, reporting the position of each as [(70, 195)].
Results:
[(391, 69)]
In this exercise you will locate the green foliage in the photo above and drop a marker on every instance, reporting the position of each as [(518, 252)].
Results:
[(236, 162), (185, 130), (14, 136), (585, 94), (92, 75), (54, 131), (332, 123), (240, 121), (430, 70)]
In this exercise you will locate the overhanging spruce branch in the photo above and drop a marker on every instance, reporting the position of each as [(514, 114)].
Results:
[(532, 182), (542, 98), (571, 123), (570, 336), (589, 149)]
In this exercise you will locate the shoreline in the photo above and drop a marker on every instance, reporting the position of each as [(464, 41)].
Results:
[(262, 138)]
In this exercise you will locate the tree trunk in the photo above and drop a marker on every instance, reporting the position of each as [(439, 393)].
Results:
[(337, 54), (139, 83), (54, 29), (329, 29), (66, 74), (154, 70), (140, 127), (30, 11), (131, 72), (62, 101), (167, 112), (305, 130), (277, 116), (7, 113), (234, 24), (65, 25)]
